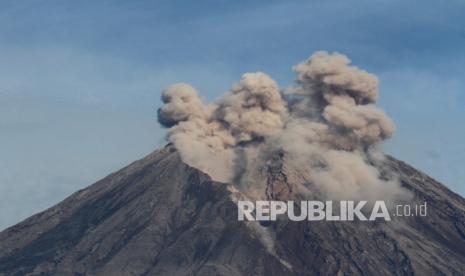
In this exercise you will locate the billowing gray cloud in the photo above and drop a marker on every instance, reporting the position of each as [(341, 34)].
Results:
[(331, 125)]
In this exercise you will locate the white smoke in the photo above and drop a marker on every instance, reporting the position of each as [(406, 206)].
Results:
[(327, 123)]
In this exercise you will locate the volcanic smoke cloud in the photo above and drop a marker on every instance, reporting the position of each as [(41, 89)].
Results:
[(327, 125)]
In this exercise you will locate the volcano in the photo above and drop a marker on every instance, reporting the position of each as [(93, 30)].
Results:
[(159, 216)]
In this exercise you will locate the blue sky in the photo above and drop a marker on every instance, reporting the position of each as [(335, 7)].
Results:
[(80, 80)]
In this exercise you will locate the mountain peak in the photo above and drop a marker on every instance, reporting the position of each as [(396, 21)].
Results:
[(159, 216)]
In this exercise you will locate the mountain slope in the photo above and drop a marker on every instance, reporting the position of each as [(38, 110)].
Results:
[(159, 216)]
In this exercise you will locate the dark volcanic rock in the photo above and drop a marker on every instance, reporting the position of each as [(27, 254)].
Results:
[(159, 216)]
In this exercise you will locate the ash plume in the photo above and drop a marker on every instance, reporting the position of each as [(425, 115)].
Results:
[(327, 125)]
